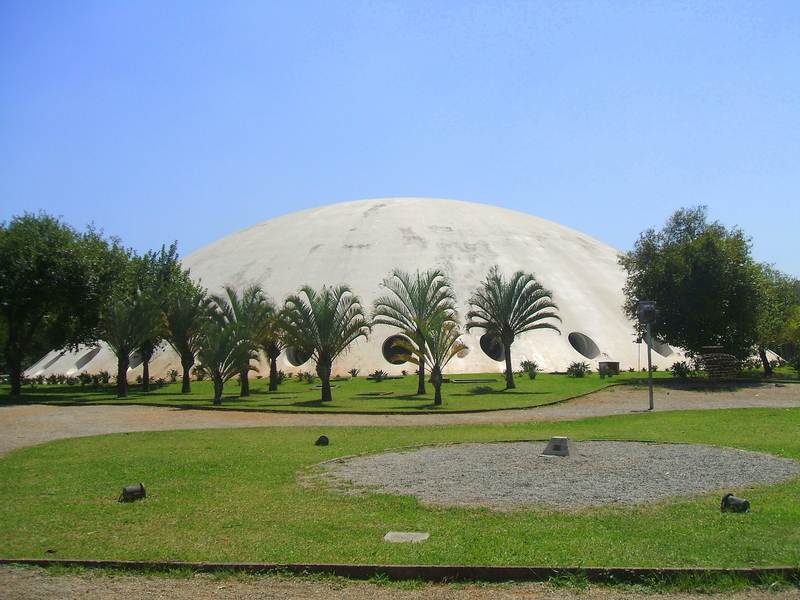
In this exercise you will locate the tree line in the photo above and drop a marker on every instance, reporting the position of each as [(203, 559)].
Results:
[(60, 288)]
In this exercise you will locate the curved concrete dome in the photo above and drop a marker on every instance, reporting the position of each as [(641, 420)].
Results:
[(359, 243)]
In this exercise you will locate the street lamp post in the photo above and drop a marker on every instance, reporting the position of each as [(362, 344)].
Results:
[(647, 314)]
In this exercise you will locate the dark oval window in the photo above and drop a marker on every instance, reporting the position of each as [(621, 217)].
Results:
[(492, 348), (296, 357), (392, 353), (584, 344)]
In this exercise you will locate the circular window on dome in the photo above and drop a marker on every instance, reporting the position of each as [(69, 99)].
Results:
[(584, 344), (392, 352), (492, 348), (296, 357)]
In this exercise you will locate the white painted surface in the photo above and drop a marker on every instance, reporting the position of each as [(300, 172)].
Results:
[(360, 242)]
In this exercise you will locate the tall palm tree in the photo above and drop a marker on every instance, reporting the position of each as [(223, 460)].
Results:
[(252, 310), (224, 348), (442, 343), (414, 302), (323, 325), (506, 309), (124, 325), (186, 314)]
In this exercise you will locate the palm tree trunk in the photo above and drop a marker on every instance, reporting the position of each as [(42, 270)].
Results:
[(123, 362), (421, 377), (245, 381), (510, 385), (436, 380), (218, 390), (146, 375), (186, 388), (324, 373), (273, 374)]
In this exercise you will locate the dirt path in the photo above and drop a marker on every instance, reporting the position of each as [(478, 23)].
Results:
[(28, 425)]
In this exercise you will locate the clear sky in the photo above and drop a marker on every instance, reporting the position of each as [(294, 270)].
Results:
[(187, 121)]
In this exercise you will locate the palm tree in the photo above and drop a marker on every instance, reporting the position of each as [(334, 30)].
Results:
[(125, 324), (506, 309), (186, 315), (252, 311), (323, 325), (415, 301), (224, 348), (273, 344), (442, 343)]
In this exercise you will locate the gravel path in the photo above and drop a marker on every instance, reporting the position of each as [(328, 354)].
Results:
[(513, 474), (22, 426)]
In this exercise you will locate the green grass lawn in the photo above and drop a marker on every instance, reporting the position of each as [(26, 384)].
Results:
[(349, 395), (238, 495)]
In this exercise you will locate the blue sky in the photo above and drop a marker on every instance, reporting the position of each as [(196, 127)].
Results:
[(162, 121)]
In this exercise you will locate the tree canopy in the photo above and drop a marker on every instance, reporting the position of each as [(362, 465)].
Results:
[(413, 303), (703, 280), (508, 308), (323, 325), (54, 281)]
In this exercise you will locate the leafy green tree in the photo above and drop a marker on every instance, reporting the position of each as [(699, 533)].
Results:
[(124, 325), (252, 310), (779, 305), (505, 309), (413, 303), (224, 348), (53, 283), (186, 316), (323, 325), (704, 283), (158, 275)]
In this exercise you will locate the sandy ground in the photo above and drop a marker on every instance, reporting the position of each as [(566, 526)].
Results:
[(28, 425)]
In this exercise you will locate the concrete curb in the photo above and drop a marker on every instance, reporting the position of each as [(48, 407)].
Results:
[(432, 573)]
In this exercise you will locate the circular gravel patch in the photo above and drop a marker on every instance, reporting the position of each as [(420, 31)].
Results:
[(514, 474)]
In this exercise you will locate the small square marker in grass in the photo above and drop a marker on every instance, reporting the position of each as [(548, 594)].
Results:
[(405, 536)]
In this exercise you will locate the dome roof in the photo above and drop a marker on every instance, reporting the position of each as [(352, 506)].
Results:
[(359, 243)]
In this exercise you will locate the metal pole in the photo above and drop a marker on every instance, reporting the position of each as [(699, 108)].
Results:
[(650, 365)]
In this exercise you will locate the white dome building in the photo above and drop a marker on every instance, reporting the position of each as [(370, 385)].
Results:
[(359, 243)]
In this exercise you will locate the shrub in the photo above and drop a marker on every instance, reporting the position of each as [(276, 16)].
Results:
[(52, 379), (280, 376), (353, 373), (682, 369), (378, 376), (306, 376), (578, 369), (531, 367), (173, 375), (85, 378), (104, 376), (198, 373)]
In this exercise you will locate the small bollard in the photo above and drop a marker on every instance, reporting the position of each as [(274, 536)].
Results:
[(322, 441), (731, 503), (133, 492)]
